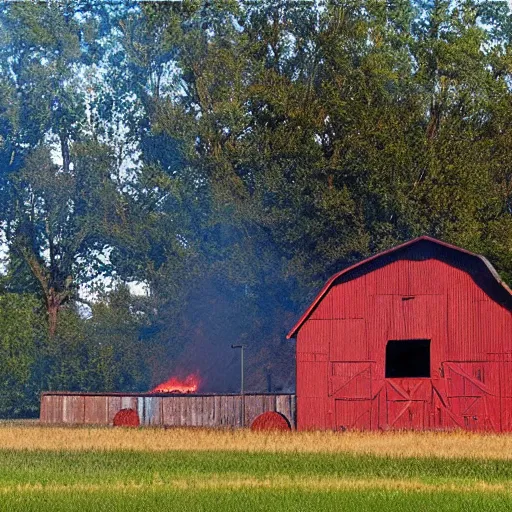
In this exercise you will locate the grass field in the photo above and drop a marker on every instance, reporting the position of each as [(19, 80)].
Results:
[(58, 469)]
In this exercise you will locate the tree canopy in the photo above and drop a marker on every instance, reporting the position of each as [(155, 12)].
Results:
[(228, 157)]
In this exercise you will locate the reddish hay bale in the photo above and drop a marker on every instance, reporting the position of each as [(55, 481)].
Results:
[(270, 421), (126, 418)]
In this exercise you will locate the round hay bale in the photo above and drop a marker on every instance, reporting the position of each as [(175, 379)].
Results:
[(270, 421), (126, 418)]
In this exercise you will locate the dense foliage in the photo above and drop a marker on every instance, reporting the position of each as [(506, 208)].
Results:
[(229, 156)]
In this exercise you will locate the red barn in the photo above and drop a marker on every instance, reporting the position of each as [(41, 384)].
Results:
[(416, 337)]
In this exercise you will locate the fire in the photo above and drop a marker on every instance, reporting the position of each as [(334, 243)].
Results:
[(189, 384)]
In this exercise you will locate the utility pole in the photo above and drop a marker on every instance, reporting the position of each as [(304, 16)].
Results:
[(241, 347)]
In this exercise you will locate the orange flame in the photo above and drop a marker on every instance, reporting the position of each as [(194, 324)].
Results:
[(189, 384)]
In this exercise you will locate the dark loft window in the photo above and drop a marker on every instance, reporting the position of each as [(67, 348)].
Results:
[(407, 358)]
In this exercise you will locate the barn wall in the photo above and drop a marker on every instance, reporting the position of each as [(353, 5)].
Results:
[(168, 410), (421, 293)]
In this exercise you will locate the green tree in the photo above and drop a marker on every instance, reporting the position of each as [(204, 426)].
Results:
[(22, 336), (61, 221), (316, 137), (231, 156), (101, 351)]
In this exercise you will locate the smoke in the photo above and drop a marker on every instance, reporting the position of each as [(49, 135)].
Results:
[(217, 316)]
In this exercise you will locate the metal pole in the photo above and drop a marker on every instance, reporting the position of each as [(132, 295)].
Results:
[(242, 384), (242, 370), (242, 393)]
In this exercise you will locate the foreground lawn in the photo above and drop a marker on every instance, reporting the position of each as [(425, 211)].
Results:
[(91, 474), (261, 500)]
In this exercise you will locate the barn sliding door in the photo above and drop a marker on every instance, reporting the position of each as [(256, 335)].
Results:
[(407, 403), (473, 394), (353, 414), (350, 385)]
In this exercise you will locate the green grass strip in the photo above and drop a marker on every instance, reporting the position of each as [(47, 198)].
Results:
[(255, 500), (22, 467), (210, 481)]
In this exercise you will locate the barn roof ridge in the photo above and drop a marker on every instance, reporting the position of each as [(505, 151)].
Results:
[(378, 255)]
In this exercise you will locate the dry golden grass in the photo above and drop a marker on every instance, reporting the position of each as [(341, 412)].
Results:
[(397, 444), (221, 482)]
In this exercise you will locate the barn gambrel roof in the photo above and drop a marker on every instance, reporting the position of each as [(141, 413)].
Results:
[(330, 282)]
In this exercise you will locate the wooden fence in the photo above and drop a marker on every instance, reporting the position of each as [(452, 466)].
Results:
[(163, 410)]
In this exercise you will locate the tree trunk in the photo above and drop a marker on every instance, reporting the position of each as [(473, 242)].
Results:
[(52, 307), (64, 146), (52, 320)]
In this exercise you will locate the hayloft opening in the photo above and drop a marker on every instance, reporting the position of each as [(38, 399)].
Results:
[(407, 358)]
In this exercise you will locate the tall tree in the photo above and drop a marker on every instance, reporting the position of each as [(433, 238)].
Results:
[(62, 221), (64, 201)]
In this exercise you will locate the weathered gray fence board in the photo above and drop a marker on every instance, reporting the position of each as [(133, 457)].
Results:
[(114, 406), (73, 409), (95, 410)]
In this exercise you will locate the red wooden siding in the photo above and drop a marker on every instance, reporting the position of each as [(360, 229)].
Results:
[(423, 290)]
